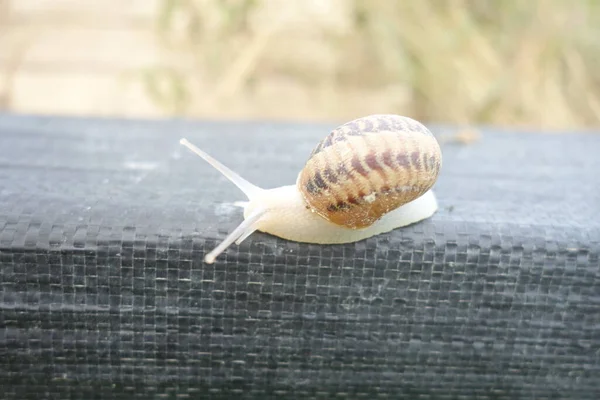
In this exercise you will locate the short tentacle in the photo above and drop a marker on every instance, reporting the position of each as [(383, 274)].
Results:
[(245, 229)]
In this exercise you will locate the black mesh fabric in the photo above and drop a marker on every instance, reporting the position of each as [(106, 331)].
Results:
[(103, 292)]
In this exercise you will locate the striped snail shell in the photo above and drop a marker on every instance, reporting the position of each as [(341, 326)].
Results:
[(367, 177), (368, 167)]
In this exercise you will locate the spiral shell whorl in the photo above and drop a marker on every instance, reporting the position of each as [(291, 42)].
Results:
[(368, 167)]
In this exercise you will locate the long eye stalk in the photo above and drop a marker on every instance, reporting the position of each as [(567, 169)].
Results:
[(249, 189)]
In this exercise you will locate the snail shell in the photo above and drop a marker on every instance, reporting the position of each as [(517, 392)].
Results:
[(368, 167)]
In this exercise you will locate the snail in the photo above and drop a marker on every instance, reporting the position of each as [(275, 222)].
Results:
[(368, 176)]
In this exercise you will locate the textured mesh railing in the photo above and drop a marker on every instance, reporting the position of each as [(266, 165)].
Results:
[(103, 292)]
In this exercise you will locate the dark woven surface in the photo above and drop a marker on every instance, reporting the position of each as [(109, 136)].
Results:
[(103, 293)]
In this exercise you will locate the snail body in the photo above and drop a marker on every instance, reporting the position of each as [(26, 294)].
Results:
[(367, 177)]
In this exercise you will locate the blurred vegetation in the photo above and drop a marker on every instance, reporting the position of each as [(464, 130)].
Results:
[(509, 62)]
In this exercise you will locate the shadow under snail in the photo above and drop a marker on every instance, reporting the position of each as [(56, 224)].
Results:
[(367, 177)]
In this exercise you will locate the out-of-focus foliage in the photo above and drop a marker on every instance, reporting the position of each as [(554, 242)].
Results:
[(509, 62)]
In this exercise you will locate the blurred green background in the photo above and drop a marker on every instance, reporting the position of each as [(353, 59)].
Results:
[(525, 64)]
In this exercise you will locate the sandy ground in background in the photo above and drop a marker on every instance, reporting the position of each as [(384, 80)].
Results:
[(76, 58)]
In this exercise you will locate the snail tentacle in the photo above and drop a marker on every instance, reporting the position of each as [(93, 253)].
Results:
[(245, 229), (250, 190)]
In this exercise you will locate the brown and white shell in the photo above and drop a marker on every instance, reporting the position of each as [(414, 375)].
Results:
[(369, 167)]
